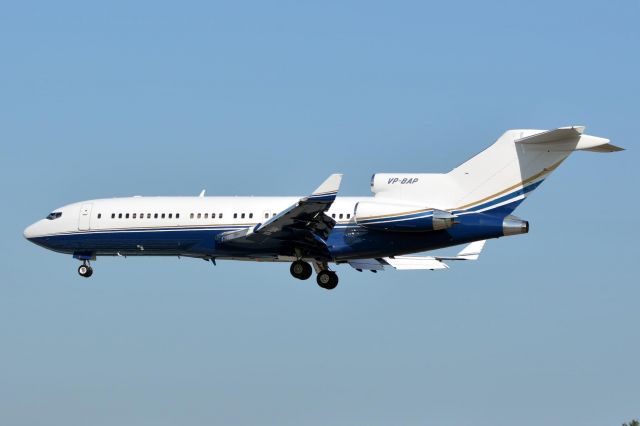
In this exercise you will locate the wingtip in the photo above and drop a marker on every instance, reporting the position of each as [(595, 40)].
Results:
[(472, 251), (330, 185)]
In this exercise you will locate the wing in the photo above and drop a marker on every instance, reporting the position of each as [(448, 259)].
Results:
[(415, 262), (303, 226), (469, 252)]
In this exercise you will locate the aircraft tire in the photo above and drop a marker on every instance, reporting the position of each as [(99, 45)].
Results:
[(301, 270), (85, 271), (327, 280)]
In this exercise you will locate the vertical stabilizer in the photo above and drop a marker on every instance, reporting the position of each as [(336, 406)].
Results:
[(499, 177), (506, 172)]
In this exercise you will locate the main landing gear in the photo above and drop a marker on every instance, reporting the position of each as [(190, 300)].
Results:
[(326, 279), (85, 270), (301, 270)]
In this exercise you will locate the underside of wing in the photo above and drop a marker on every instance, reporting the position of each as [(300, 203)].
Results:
[(469, 252), (415, 262), (302, 227)]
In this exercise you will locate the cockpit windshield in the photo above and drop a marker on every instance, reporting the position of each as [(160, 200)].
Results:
[(54, 215)]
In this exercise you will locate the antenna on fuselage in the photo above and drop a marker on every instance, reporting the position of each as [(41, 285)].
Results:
[(202, 193)]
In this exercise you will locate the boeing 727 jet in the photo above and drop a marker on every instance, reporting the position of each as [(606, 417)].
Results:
[(408, 213)]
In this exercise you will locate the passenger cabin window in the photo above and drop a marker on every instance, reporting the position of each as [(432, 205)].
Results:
[(219, 215), (162, 215), (242, 216), (155, 215), (266, 215), (191, 216), (148, 215), (235, 215), (54, 215), (206, 215), (99, 215), (134, 215), (170, 215), (126, 216), (199, 215), (250, 215), (340, 215), (119, 215), (177, 215), (113, 215), (348, 215)]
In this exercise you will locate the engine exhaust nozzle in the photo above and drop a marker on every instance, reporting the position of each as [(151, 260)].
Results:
[(513, 225)]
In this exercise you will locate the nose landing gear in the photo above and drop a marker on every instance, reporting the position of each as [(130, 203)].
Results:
[(85, 270)]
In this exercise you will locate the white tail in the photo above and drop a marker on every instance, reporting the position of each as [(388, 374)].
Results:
[(501, 176)]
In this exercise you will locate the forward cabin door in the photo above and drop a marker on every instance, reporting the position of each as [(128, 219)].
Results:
[(84, 223)]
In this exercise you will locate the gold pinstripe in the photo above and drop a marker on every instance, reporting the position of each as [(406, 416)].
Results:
[(542, 173)]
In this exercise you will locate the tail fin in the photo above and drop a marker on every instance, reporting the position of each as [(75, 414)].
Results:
[(501, 176), (506, 172)]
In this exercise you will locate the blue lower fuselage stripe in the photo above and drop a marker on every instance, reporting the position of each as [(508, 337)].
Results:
[(347, 239)]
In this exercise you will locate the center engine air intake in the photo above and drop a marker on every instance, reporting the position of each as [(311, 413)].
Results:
[(401, 217)]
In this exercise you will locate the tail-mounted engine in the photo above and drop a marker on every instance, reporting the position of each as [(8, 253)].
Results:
[(401, 217)]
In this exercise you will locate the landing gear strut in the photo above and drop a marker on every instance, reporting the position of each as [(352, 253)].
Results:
[(301, 270), (85, 270), (327, 279)]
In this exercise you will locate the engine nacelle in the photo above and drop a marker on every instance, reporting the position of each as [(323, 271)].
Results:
[(512, 225), (401, 217)]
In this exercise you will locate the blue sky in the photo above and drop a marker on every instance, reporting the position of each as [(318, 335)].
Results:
[(257, 98)]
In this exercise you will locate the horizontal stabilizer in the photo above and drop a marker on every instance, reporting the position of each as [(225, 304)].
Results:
[(569, 139), (554, 135), (607, 147)]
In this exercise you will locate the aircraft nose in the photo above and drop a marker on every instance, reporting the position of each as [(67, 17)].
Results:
[(28, 232), (31, 231)]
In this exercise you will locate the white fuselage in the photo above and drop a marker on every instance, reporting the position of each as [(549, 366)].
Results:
[(175, 212)]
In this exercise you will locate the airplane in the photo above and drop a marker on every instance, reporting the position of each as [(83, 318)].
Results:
[(408, 213)]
